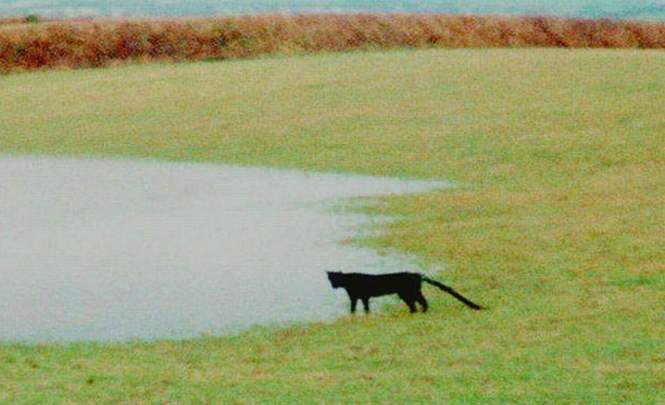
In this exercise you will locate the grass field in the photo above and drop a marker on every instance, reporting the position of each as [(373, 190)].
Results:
[(558, 226)]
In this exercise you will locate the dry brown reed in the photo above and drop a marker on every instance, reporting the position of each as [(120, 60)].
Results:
[(75, 44)]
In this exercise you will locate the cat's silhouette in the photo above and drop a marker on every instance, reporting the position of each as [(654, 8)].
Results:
[(407, 286)]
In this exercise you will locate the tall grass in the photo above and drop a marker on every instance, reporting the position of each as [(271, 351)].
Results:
[(76, 44)]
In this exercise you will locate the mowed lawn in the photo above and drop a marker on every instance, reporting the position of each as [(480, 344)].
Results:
[(558, 223)]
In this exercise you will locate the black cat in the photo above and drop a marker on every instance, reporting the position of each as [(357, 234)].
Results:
[(406, 285)]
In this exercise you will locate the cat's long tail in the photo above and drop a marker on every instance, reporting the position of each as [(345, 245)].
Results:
[(452, 292)]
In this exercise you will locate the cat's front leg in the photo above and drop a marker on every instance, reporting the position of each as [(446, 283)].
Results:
[(366, 305), (354, 302)]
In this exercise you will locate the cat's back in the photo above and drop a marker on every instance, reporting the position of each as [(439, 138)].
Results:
[(385, 283)]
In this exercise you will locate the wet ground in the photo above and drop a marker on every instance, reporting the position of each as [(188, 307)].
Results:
[(117, 249)]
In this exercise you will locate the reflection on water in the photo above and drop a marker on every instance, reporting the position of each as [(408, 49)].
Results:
[(113, 249)]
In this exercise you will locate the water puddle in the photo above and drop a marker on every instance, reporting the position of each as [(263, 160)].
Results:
[(115, 249)]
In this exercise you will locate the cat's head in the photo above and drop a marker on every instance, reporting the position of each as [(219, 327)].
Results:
[(335, 278)]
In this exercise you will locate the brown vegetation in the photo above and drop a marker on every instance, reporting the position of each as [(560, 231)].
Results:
[(26, 46)]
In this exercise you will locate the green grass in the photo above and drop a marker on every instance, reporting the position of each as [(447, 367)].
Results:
[(558, 226)]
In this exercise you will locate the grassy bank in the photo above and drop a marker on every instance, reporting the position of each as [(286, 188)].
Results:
[(58, 44), (558, 230)]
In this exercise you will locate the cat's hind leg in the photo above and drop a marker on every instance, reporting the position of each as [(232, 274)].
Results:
[(412, 306), (409, 301), (422, 301), (366, 305), (354, 302)]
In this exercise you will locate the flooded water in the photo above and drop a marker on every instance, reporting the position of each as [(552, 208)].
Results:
[(158, 8), (115, 249)]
